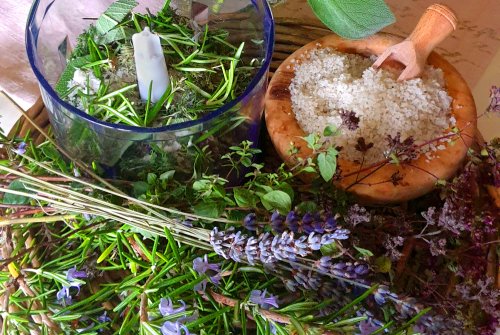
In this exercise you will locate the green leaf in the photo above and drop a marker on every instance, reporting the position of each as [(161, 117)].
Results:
[(364, 252), (330, 130), (383, 264), (209, 209), (167, 175), (140, 188), (14, 199), (68, 73), (114, 15), (277, 200), (327, 163), (353, 19), (245, 198), (307, 207)]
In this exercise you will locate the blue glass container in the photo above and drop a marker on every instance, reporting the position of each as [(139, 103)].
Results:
[(52, 28)]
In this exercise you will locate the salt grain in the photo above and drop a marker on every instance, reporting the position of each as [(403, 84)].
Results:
[(329, 82)]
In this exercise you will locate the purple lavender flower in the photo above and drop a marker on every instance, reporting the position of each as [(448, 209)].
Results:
[(21, 149), (173, 328), (277, 222), (250, 222), (292, 221), (237, 246), (166, 307), (259, 297), (307, 223), (314, 241), (339, 234), (330, 224), (73, 274), (324, 264), (103, 318), (251, 250), (265, 247), (382, 294)]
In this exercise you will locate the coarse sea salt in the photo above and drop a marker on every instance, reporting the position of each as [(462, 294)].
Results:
[(329, 82)]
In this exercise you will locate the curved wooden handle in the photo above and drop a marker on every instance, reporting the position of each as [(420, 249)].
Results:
[(437, 23)]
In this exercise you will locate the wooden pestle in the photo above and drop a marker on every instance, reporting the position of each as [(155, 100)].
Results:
[(437, 23)]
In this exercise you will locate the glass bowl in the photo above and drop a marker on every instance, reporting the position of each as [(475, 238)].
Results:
[(52, 29)]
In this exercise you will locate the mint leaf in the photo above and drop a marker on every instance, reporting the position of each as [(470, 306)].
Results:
[(245, 198), (353, 19), (327, 163), (209, 209), (277, 200)]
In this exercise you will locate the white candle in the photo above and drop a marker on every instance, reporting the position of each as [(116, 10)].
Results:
[(150, 65)]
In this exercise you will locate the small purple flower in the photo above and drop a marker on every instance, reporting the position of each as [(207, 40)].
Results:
[(292, 221), (250, 222), (64, 297), (367, 327), (382, 293), (259, 297), (307, 223), (73, 274), (330, 224), (201, 265), (21, 149), (166, 307), (173, 328), (361, 269), (277, 222), (103, 318)]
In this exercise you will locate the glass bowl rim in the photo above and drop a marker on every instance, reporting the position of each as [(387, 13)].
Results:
[(174, 127)]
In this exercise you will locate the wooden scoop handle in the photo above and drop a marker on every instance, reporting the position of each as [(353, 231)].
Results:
[(437, 23), (434, 26)]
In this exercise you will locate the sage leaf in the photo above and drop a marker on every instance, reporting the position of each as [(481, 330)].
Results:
[(14, 199), (353, 19), (277, 200), (115, 13)]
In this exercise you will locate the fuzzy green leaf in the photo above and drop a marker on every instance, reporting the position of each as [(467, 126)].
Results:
[(114, 15), (68, 73), (353, 19), (277, 200), (14, 199)]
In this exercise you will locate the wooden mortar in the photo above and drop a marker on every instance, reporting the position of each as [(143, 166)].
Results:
[(418, 177)]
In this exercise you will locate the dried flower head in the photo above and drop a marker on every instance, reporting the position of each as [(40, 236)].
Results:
[(349, 120), (494, 106)]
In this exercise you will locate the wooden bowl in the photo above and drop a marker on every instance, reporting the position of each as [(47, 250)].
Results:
[(417, 179)]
